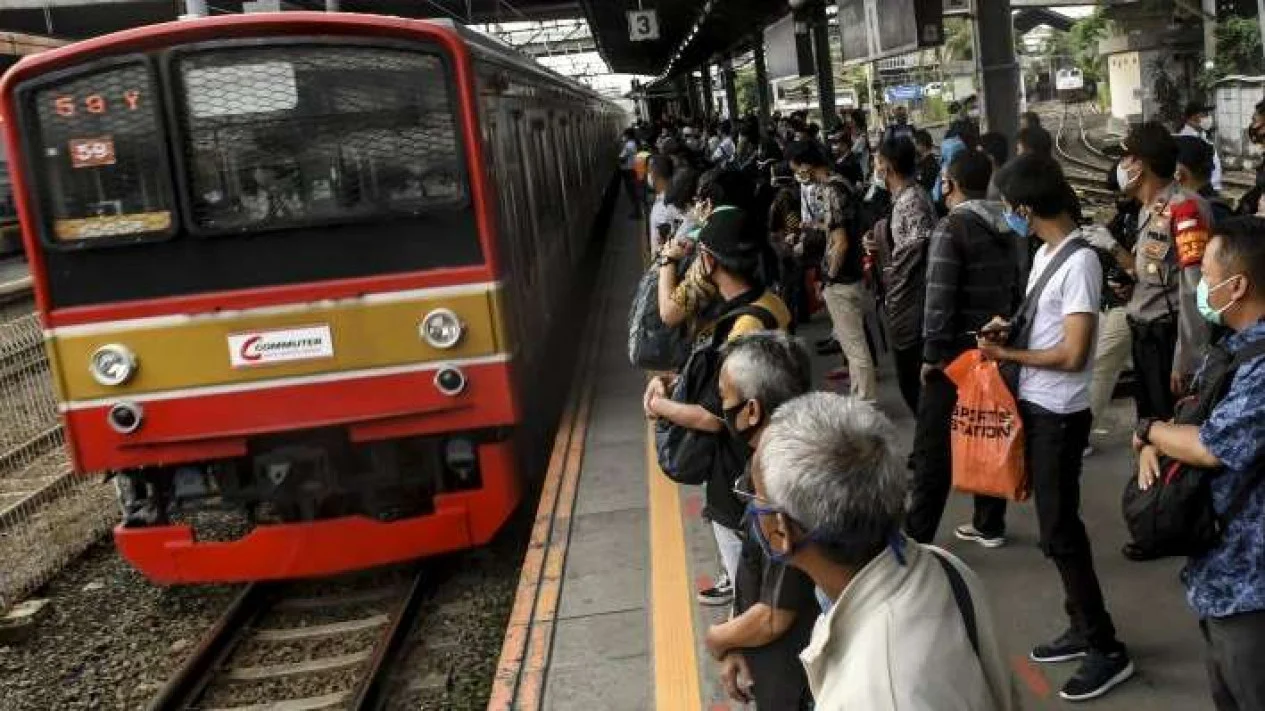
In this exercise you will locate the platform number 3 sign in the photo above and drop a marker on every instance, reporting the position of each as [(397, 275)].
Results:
[(643, 25)]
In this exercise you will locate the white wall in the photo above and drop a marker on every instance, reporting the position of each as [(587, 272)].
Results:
[(1235, 99), (1124, 74)]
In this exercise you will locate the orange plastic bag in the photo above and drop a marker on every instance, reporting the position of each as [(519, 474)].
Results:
[(987, 432)]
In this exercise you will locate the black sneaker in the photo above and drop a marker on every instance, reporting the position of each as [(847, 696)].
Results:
[(722, 593), (1098, 674), (1065, 647)]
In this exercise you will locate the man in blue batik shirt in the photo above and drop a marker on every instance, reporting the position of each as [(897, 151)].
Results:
[(1226, 586)]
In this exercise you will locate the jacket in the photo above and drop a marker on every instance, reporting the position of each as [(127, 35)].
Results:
[(903, 258), (895, 641), (973, 274)]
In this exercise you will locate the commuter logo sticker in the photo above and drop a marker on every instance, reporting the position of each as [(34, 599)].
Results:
[(256, 348)]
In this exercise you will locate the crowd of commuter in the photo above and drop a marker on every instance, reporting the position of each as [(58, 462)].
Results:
[(921, 255)]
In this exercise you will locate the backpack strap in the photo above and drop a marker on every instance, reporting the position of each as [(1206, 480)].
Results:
[(1028, 308), (961, 595), (726, 322)]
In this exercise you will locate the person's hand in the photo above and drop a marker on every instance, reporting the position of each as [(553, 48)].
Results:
[(1148, 467), (991, 349), (995, 331), (735, 676), (1179, 383), (868, 242), (673, 250), (657, 387), (929, 368), (1100, 237), (1124, 292)]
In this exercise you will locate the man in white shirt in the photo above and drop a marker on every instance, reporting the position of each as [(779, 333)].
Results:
[(1197, 121), (1053, 343), (909, 627)]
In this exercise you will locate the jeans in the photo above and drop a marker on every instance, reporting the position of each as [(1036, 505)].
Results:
[(1115, 342), (1154, 345), (933, 466), (1054, 446), (909, 374), (846, 305), (1236, 656), (730, 546)]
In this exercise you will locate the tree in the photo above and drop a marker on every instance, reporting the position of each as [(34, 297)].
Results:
[(1082, 43), (1238, 50), (958, 44)]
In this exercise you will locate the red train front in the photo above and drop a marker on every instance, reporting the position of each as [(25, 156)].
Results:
[(281, 301)]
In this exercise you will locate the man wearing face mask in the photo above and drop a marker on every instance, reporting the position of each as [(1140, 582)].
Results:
[(1226, 585), (973, 262), (835, 214), (729, 261), (1197, 122), (901, 253), (1174, 225), (910, 627), (900, 127), (774, 606)]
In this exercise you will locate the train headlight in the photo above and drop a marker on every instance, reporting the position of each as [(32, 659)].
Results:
[(125, 417), (112, 365), (450, 381), (442, 329)]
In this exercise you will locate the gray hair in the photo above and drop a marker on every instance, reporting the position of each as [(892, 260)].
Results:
[(769, 367), (827, 461)]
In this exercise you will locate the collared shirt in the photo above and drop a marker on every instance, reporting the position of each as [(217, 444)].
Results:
[(905, 268), (895, 641), (1173, 232), (1230, 579)]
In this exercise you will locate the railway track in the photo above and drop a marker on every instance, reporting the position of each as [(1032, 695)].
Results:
[(302, 646)]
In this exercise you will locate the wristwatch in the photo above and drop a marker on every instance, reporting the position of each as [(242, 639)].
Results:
[(1143, 429)]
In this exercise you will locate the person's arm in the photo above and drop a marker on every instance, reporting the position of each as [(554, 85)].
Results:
[(944, 269), (670, 313), (1192, 329), (689, 416), (1182, 442), (1069, 354), (758, 626), (836, 248)]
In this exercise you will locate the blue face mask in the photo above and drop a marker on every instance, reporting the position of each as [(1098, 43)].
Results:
[(753, 521), (1017, 223), (1202, 292)]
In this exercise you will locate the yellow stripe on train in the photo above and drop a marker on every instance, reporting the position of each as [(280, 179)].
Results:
[(269, 343)]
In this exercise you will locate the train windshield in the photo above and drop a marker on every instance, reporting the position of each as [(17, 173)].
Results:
[(103, 172), (288, 135)]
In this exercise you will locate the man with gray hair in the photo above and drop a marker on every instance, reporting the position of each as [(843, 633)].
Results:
[(774, 605), (909, 627)]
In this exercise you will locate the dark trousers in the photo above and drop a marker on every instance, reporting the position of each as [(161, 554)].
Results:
[(1154, 345), (1054, 447), (1236, 659), (909, 374), (933, 466)]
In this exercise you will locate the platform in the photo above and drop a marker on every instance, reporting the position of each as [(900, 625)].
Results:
[(624, 633)]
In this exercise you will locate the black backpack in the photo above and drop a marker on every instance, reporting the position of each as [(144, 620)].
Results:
[(690, 456), (1175, 516)]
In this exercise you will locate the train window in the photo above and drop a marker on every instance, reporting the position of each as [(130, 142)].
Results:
[(300, 134), (99, 154)]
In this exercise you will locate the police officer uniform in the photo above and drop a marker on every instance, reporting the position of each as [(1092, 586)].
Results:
[(1169, 335)]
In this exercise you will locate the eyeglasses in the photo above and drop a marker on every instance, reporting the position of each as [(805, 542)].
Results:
[(753, 499)]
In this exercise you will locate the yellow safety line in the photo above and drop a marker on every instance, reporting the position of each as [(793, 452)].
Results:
[(676, 681)]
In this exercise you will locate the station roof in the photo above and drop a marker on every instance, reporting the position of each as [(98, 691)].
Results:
[(78, 19), (717, 27)]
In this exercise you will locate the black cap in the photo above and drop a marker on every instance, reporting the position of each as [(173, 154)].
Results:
[(1195, 108), (723, 236), (1196, 154)]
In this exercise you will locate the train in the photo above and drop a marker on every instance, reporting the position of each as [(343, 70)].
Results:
[(298, 273)]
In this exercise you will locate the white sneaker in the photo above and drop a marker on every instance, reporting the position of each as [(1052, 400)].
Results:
[(968, 532)]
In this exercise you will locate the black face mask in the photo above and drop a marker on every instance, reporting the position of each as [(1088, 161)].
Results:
[(730, 416)]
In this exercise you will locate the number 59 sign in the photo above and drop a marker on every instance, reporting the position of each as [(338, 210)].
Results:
[(643, 25), (91, 152)]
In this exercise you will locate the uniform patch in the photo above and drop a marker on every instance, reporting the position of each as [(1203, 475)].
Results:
[(1153, 249), (1192, 233)]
